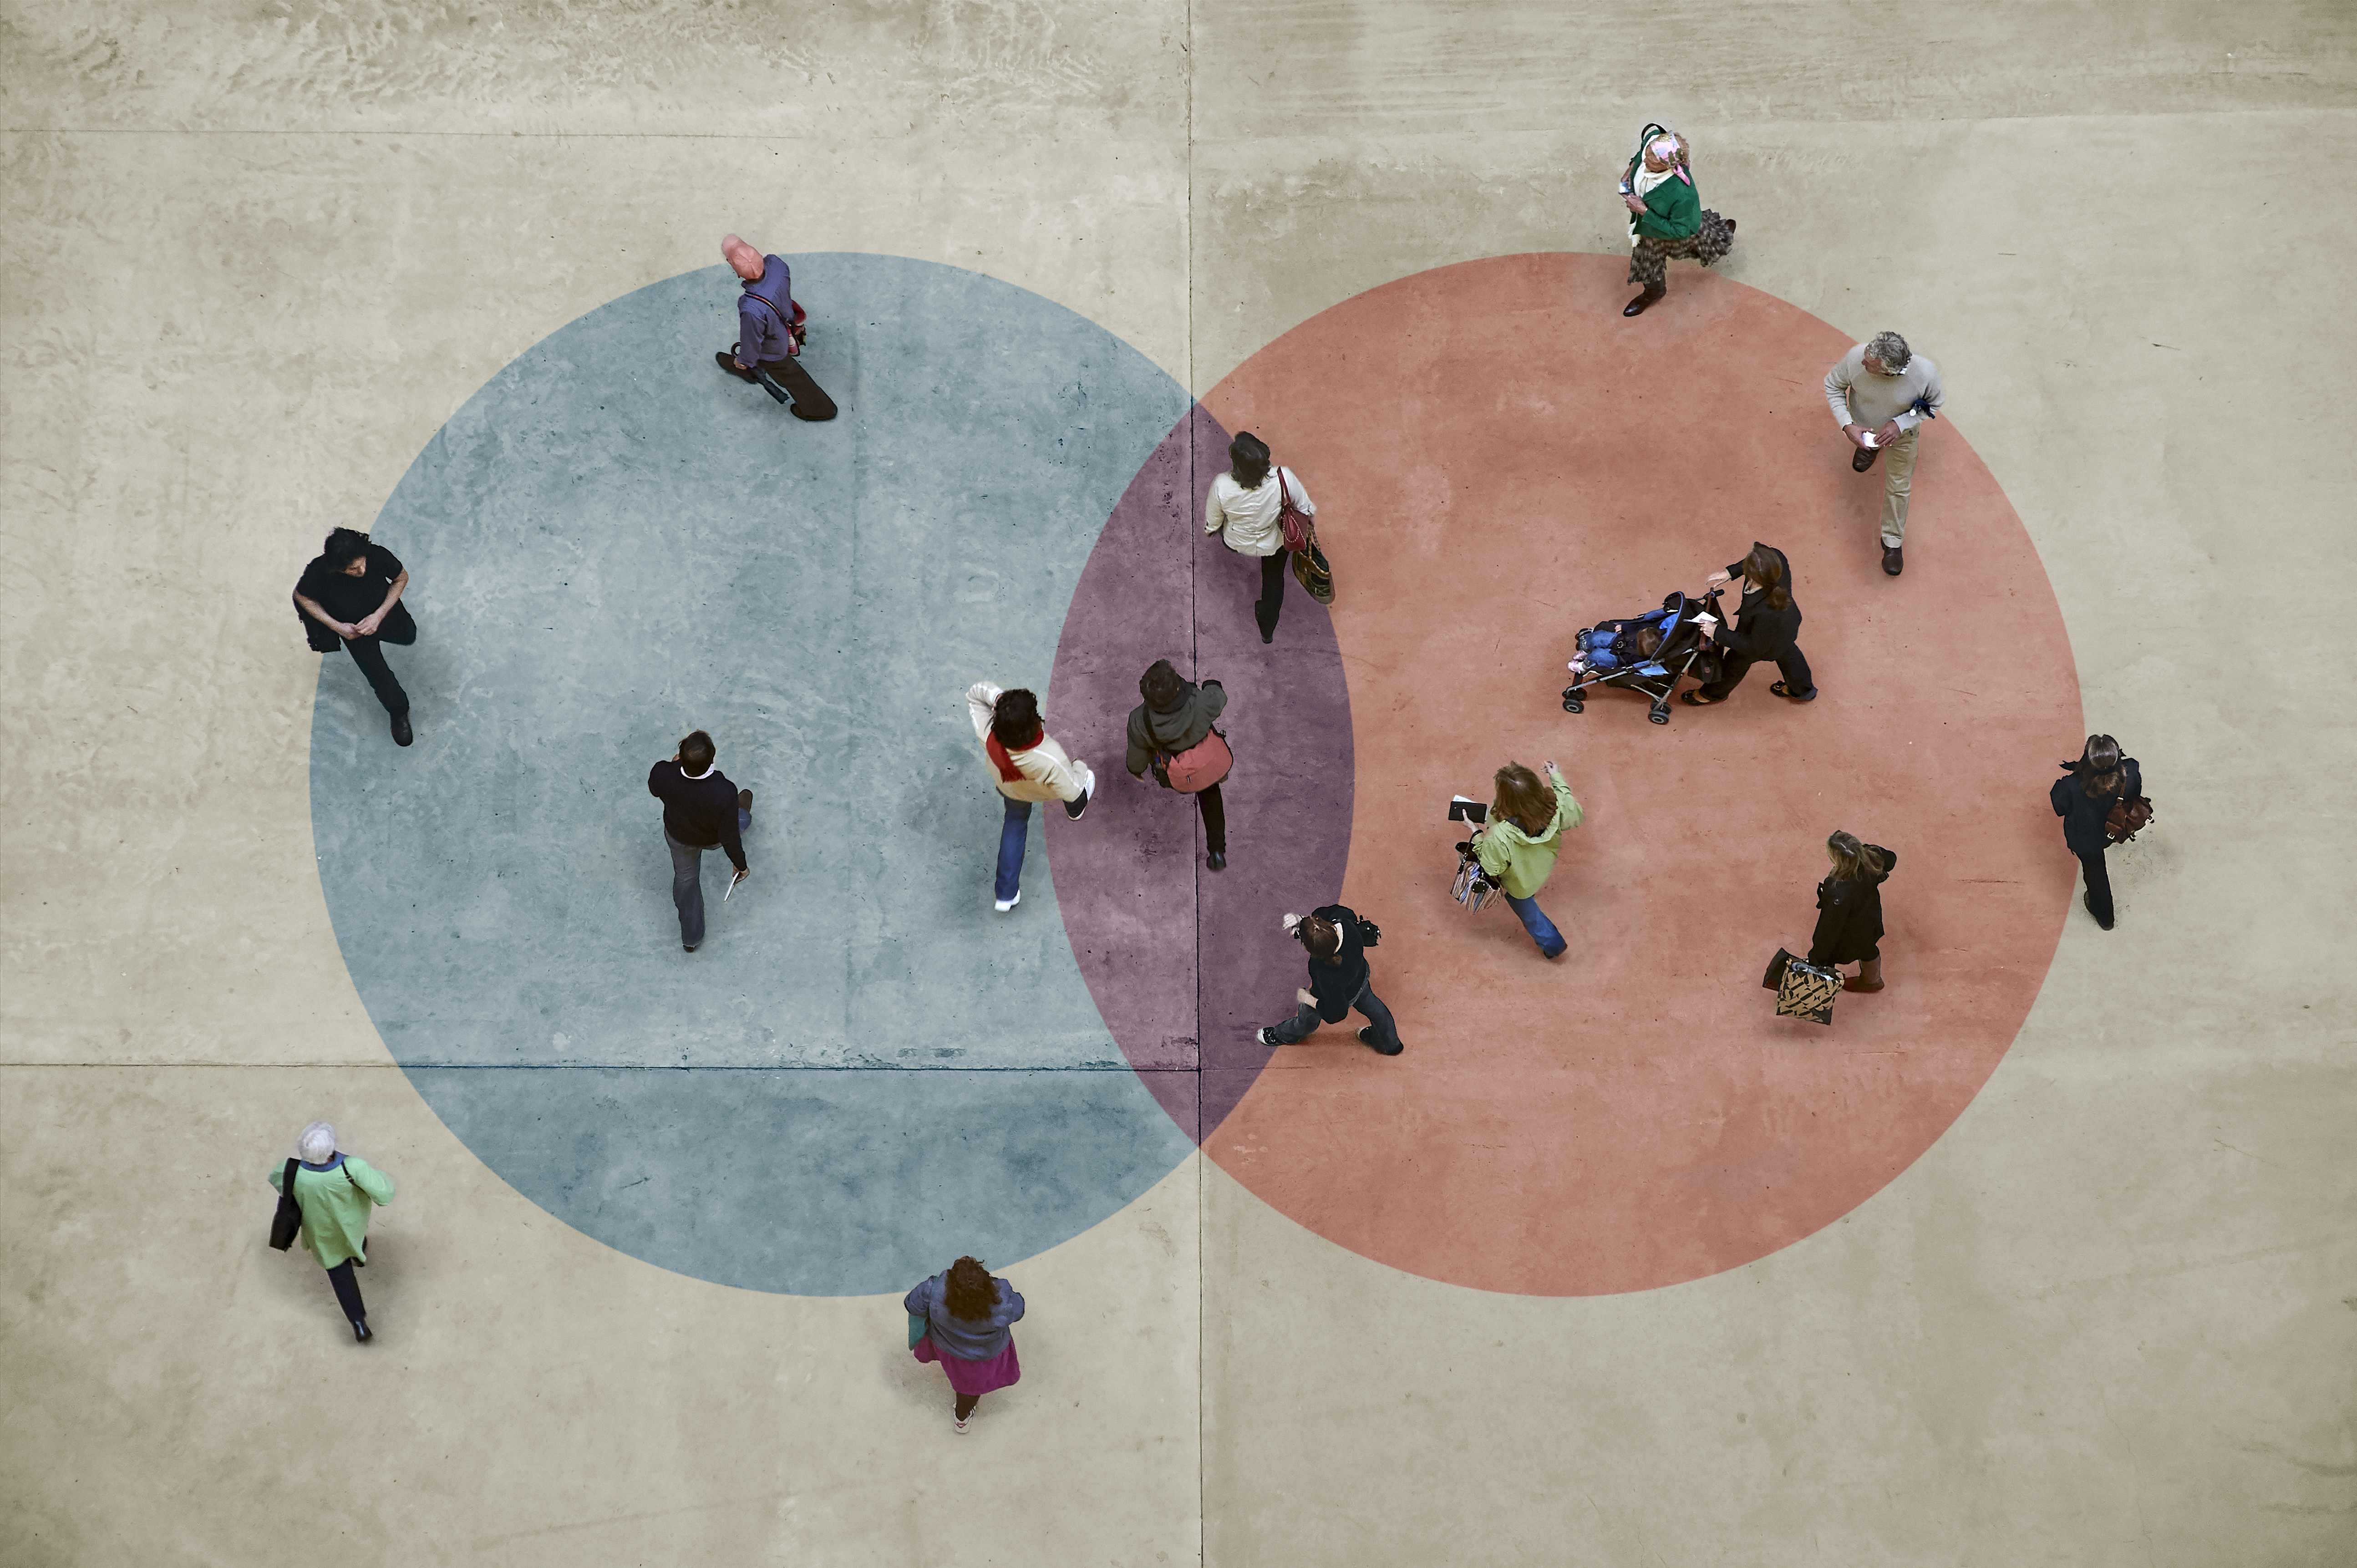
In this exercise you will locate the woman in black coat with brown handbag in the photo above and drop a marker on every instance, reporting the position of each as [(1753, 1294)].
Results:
[(2098, 781), (1850, 911)]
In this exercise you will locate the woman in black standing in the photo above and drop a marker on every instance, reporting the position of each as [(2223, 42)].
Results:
[(349, 597), (1176, 718), (2099, 781), (1763, 628), (1850, 911)]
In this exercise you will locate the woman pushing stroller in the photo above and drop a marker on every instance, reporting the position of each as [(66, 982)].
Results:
[(1763, 628)]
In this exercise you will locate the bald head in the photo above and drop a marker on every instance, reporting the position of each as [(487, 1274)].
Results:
[(743, 258)]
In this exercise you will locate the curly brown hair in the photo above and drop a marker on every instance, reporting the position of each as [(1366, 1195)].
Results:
[(1524, 797), (969, 1291)]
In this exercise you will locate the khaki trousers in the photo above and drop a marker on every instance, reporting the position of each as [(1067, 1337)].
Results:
[(1897, 486)]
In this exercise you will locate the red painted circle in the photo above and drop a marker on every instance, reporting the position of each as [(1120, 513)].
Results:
[(1499, 459)]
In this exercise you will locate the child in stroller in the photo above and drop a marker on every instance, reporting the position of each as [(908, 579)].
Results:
[(1646, 653)]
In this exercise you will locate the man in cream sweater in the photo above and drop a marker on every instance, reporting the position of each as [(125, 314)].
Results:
[(1025, 765), (1881, 393)]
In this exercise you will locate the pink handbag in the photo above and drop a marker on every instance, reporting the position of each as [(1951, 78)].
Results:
[(1294, 521), (1198, 767)]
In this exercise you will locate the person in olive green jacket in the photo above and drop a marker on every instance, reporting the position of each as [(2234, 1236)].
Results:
[(1517, 846), (1666, 215), (336, 1191)]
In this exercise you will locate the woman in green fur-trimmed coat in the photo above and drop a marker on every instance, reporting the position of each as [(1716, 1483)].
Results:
[(1666, 217), (336, 1192)]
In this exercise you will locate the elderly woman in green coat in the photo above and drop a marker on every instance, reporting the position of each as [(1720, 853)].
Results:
[(1518, 845), (336, 1191), (1666, 215)]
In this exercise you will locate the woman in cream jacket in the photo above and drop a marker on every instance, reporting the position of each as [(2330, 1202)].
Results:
[(1027, 765)]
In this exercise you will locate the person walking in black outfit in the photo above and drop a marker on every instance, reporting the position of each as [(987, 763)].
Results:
[(701, 810), (1339, 980), (1763, 628), (1850, 911), (2099, 781), (1176, 718), (349, 597)]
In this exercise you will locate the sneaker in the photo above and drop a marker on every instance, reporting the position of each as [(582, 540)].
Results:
[(959, 1422), (1002, 905), (1266, 1038), (1088, 793)]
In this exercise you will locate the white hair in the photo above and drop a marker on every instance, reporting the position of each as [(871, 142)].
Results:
[(316, 1143)]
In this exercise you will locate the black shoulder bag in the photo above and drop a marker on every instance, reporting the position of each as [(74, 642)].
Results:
[(287, 1223)]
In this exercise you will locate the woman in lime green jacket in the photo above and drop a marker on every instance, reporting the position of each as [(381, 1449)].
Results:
[(336, 1191), (1517, 846)]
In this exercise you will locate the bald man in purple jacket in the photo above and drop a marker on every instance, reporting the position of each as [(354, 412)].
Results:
[(769, 322)]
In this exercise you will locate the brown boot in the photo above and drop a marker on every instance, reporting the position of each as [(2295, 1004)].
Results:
[(1651, 296), (1867, 978)]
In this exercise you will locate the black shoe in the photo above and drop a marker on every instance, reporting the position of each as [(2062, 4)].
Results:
[(2087, 902), (1893, 563), (360, 1333), (1730, 225), (1268, 634), (1266, 1038), (1637, 307), (401, 733), (1217, 860), (687, 946)]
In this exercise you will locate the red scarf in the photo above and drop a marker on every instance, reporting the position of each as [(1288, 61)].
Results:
[(1006, 764)]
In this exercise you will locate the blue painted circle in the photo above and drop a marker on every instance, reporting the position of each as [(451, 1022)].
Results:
[(865, 1071)]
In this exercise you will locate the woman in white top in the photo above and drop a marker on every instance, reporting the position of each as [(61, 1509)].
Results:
[(1243, 507)]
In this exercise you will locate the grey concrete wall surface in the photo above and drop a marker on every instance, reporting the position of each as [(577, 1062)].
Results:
[(252, 257)]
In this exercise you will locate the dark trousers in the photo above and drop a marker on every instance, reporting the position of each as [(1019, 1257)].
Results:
[(369, 655), (347, 1291), (1215, 820), (1793, 664), (2099, 887), (687, 881), (1305, 1021), (1273, 570)]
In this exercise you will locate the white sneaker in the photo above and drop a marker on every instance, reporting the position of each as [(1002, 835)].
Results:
[(1002, 905), (1088, 791), (959, 1422)]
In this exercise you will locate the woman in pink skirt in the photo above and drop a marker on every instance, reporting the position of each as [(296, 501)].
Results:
[(964, 1319)]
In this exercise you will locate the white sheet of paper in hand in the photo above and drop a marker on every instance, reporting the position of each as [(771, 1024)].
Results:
[(1706, 620)]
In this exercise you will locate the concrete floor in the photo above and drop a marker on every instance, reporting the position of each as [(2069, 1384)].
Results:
[(2108, 1317)]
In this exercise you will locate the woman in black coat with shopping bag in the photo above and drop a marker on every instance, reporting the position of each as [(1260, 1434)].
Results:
[(1850, 911), (2098, 781)]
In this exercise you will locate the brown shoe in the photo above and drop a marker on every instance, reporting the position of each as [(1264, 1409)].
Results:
[(1863, 458), (1857, 983), (728, 363), (1637, 307), (1892, 562), (1867, 978), (744, 800)]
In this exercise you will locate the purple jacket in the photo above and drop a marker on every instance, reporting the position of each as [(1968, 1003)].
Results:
[(763, 312)]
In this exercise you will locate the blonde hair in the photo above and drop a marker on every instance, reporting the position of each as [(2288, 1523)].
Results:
[(1853, 861)]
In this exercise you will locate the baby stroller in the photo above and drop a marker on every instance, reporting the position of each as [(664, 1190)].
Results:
[(1646, 653)]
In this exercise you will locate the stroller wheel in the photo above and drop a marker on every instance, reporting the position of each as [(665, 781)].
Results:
[(1571, 703), (1658, 713)]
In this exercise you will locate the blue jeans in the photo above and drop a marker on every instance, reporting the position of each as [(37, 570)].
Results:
[(1305, 1021), (1013, 834), (687, 881), (1541, 928)]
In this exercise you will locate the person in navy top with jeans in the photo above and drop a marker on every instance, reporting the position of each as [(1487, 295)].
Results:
[(701, 810)]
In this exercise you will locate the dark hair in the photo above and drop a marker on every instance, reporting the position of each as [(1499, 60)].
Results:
[(1853, 861), (969, 1290), (1162, 686), (344, 546), (1764, 571), (1322, 938), (1014, 719), (1248, 460), (1648, 642), (2099, 766), (696, 752), (1524, 797)]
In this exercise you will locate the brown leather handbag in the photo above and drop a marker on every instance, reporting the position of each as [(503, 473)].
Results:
[(2129, 817)]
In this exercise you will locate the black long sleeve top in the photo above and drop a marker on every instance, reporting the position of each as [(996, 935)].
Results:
[(2084, 815), (699, 812), (1761, 634), (1335, 983)]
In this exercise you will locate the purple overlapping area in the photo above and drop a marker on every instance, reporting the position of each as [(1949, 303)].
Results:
[(1185, 962)]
